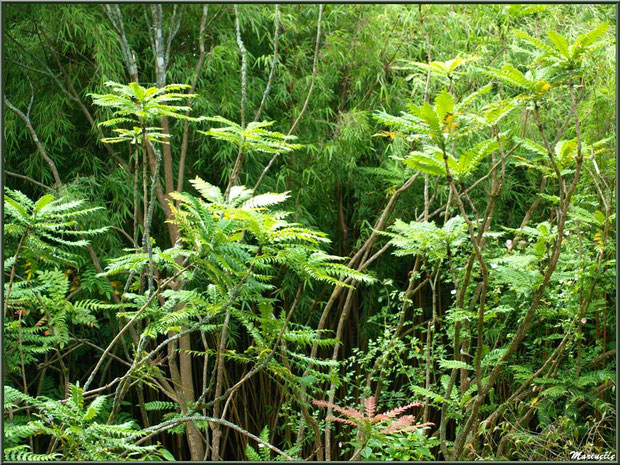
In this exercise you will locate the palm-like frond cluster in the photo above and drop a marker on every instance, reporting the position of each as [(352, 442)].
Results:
[(242, 229), (253, 137), (139, 106)]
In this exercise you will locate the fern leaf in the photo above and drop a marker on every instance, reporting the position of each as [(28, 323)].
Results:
[(454, 364), (537, 43), (427, 393), (444, 104), (264, 200), (208, 191), (95, 408), (471, 98), (589, 38), (370, 406), (397, 411), (511, 76), (560, 43)]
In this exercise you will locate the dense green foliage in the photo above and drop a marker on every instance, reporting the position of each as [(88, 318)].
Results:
[(241, 231)]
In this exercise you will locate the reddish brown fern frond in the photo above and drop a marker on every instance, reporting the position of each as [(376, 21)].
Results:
[(342, 420), (370, 406), (322, 403), (357, 418), (402, 422), (403, 425), (350, 412), (413, 427), (397, 411), (378, 418)]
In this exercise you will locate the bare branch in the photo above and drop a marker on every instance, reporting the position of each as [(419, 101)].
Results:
[(177, 421), (35, 138), (308, 95), (198, 69), (274, 62), (10, 173), (175, 24), (244, 66), (113, 12), (241, 153)]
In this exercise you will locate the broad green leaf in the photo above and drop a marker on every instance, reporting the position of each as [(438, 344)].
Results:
[(427, 113), (42, 202), (589, 38), (138, 90), (444, 104), (167, 454), (559, 43)]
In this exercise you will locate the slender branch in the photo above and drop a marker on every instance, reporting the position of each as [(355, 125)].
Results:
[(244, 66), (26, 119), (428, 55), (258, 366), (115, 16), (175, 24), (100, 349), (21, 176), (274, 62), (360, 256), (192, 90), (525, 324), (166, 343), (306, 101), (124, 233), (131, 322), (146, 241), (191, 418), (244, 77)]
